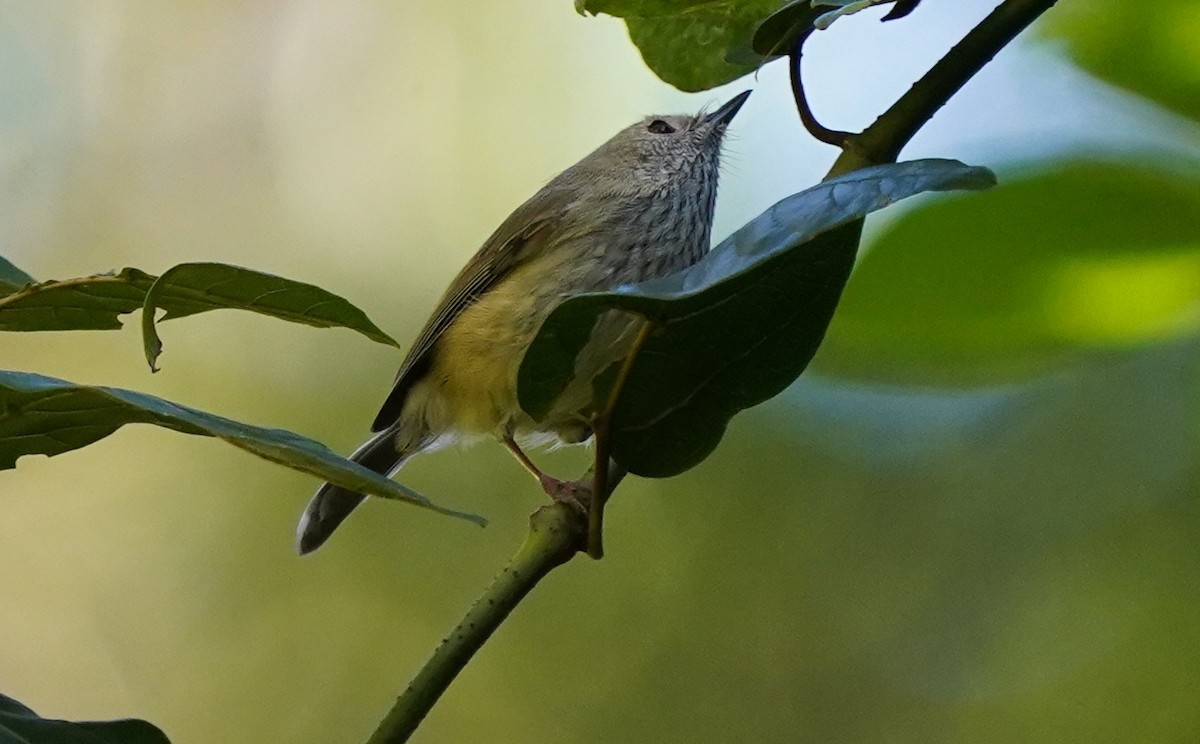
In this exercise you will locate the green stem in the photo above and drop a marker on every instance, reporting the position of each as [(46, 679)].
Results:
[(556, 532), (601, 489), (803, 107)]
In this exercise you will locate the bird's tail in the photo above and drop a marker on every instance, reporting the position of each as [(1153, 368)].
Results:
[(384, 453)]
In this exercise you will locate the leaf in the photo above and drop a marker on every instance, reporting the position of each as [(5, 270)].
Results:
[(736, 328), (46, 416), (901, 9), (780, 31), (850, 7), (700, 44), (20, 725), (83, 304), (976, 289), (691, 44), (12, 278), (1150, 48), (97, 302), (192, 288)]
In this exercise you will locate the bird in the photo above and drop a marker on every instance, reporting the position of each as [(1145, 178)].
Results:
[(638, 207)]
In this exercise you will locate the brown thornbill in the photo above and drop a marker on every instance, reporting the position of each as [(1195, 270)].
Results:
[(637, 208)]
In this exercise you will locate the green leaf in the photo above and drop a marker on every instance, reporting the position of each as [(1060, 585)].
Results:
[(850, 7), (691, 44), (97, 302), (12, 278), (1087, 257), (736, 328), (83, 304), (780, 31), (700, 44), (193, 288), (20, 725), (46, 416), (1150, 48)]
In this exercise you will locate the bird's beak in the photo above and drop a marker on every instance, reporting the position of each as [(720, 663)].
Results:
[(725, 114)]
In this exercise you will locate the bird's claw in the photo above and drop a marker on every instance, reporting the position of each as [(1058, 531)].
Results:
[(571, 493)]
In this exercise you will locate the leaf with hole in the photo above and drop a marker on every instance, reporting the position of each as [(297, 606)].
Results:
[(736, 328), (88, 303), (96, 302), (193, 288)]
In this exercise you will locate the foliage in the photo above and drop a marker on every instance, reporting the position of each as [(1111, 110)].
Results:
[(1001, 561), (1104, 256), (47, 416), (12, 278), (1152, 49), (700, 44), (95, 302), (735, 329), (20, 725)]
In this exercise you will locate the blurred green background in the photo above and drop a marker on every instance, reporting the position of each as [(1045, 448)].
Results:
[(974, 520)]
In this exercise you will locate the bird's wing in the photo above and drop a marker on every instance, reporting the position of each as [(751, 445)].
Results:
[(523, 235)]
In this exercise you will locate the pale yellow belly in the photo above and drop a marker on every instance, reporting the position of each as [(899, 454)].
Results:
[(471, 386), (477, 360)]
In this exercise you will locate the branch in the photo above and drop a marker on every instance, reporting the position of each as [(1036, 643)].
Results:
[(886, 137), (556, 533)]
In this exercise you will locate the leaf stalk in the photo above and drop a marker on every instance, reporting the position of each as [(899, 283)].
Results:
[(600, 487)]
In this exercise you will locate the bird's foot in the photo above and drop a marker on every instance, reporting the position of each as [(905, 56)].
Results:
[(572, 493)]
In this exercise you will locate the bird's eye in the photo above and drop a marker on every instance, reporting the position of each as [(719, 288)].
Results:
[(658, 126)]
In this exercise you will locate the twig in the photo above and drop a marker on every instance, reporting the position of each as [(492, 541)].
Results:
[(886, 137), (834, 137), (556, 531), (600, 486)]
